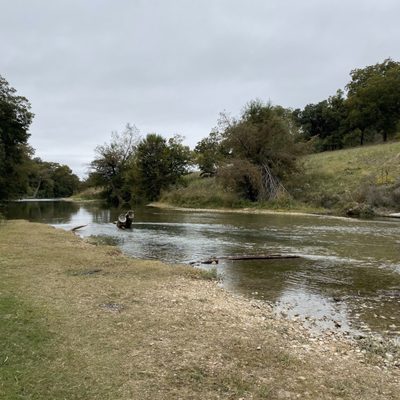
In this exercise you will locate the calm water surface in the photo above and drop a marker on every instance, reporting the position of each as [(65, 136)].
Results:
[(348, 273)]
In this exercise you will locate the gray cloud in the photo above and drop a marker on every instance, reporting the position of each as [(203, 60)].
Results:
[(89, 67)]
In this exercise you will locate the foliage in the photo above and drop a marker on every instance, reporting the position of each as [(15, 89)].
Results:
[(369, 113), (113, 162), (374, 98), (158, 164), (15, 119), (197, 192), (131, 169), (209, 154), (324, 120), (51, 180), (263, 149), (242, 177)]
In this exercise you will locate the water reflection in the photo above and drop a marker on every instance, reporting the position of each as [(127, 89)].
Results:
[(348, 276), (42, 211)]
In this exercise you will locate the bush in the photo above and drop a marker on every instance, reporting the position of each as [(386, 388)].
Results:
[(358, 210), (201, 192), (243, 178), (380, 196)]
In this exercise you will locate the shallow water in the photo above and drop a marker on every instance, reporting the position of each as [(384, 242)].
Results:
[(348, 276)]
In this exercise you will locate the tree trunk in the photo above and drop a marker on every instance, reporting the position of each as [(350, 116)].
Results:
[(37, 189)]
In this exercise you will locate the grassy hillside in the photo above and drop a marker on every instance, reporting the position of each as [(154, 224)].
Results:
[(365, 178), (365, 175)]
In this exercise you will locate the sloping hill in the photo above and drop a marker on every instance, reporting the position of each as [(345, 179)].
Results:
[(366, 175), (354, 181)]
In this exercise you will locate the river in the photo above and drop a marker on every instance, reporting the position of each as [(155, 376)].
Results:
[(347, 277)]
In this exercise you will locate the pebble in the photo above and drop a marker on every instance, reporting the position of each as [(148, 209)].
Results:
[(389, 356)]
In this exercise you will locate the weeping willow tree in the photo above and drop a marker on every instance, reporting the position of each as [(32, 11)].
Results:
[(263, 150)]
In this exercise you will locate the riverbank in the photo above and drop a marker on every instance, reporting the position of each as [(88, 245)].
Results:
[(84, 321), (359, 182), (246, 210)]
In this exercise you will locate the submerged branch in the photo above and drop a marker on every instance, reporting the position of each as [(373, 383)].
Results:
[(215, 260)]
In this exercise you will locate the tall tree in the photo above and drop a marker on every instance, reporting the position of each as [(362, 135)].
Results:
[(113, 162), (374, 99), (51, 180), (159, 164), (15, 119), (209, 153), (264, 139), (324, 121)]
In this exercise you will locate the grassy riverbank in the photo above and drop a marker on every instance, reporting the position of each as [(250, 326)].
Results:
[(81, 321), (331, 182)]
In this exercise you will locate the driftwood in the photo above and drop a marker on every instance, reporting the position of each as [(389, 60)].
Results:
[(78, 227), (125, 220), (215, 260)]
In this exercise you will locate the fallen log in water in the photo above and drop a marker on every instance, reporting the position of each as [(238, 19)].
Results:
[(215, 260), (78, 227)]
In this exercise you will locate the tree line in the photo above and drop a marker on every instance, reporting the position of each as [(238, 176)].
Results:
[(22, 174), (252, 155), (132, 169), (366, 111)]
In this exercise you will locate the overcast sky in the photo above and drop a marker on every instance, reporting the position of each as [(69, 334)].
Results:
[(88, 67)]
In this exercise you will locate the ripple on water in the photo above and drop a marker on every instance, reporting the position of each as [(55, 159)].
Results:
[(357, 262)]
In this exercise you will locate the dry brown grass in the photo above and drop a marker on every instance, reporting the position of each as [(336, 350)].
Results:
[(117, 328)]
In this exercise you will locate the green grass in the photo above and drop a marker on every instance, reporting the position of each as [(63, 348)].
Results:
[(377, 162), (331, 177), (328, 182), (31, 366), (202, 192), (89, 194), (25, 347)]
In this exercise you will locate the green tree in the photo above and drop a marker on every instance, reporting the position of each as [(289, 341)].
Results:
[(374, 99), (263, 141), (66, 183), (159, 164), (111, 167), (209, 154), (324, 121), (51, 180), (15, 119)]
